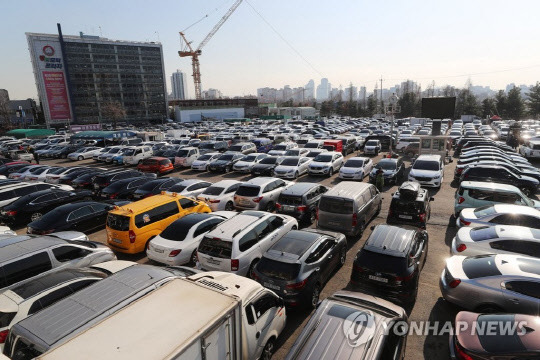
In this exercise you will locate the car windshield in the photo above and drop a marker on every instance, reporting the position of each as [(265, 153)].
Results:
[(386, 165), (277, 269), (426, 165), (336, 205), (118, 222), (484, 211), (114, 150), (250, 158), (128, 152), (290, 162), (213, 190), (292, 153), (354, 163), (182, 153), (480, 266), (268, 161), (323, 158), (225, 157), (371, 143)]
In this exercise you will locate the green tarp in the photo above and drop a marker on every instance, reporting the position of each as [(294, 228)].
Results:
[(30, 133)]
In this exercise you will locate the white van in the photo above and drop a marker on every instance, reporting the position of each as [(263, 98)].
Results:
[(136, 155), (186, 156)]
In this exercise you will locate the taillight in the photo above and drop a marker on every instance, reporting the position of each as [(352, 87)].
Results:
[(461, 199), (454, 283), (461, 247), (215, 201), (11, 213), (301, 208), (354, 219), (175, 252), (358, 268), (400, 279), (235, 264), (297, 286), (132, 236), (464, 222), (423, 217), (317, 215), (3, 336), (460, 353), (459, 170), (113, 196), (278, 206), (257, 199)]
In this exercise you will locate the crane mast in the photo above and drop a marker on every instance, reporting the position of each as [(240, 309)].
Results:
[(189, 51)]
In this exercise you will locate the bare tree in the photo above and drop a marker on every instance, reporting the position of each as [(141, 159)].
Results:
[(5, 112), (114, 111)]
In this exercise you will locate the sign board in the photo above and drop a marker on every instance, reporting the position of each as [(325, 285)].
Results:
[(89, 127)]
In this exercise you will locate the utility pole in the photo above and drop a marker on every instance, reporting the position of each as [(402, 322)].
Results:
[(382, 102)]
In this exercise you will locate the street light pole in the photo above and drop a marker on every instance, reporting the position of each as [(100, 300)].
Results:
[(392, 109)]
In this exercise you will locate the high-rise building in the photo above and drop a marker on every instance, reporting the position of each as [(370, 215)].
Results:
[(323, 90), (212, 94), (179, 85), (81, 78), (309, 91)]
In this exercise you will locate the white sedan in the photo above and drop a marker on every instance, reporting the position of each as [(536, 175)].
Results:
[(498, 239), (84, 153), (356, 168), (247, 162), (41, 174), (220, 196), (202, 161), (178, 243), (190, 187), (292, 167)]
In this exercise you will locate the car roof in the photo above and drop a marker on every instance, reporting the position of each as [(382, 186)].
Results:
[(348, 189), (516, 209), (489, 186), (146, 203), (226, 183), (193, 218), (228, 229), (299, 188), (260, 180), (21, 246), (429, 157), (390, 240), (190, 182), (293, 245)]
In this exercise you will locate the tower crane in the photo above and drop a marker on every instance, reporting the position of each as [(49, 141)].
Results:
[(189, 51)]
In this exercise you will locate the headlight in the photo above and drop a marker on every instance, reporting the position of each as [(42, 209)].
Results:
[(437, 176)]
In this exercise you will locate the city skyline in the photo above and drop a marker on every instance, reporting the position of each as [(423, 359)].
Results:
[(359, 42)]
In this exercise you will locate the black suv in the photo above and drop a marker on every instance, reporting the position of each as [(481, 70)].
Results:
[(298, 265), (393, 170), (225, 162), (410, 205), (500, 174), (266, 166), (349, 145), (300, 201), (101, 181), (390, 262)]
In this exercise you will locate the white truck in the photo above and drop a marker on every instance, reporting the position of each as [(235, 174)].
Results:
[(211, 315)]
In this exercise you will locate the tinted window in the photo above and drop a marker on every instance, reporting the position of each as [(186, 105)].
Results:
[(68, 253), (80, 213), (50, 299), (206, 227), (264, 304), (118, 222), (381, 263), (320, 251), (278, 270), (484, 211), (156, 214), (187, 203), (45, 198), (216, 247), (527, 288), (26, 268), (426, 165), (212, 190), (336, 205), (480, 266), (245, 190), (247, 241)]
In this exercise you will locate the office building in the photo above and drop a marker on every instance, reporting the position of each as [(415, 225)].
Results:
[(87, 79), (179, 85)]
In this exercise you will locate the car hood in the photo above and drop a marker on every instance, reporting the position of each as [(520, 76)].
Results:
[(385, 172), (423, 173), (264, 166), (285, 168), (350, 170), (220, 162), (318, 163)]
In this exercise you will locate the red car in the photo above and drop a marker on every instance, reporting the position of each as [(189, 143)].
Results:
[(157, 165)]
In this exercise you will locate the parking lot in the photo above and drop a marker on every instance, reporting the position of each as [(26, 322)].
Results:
[(429, 304)]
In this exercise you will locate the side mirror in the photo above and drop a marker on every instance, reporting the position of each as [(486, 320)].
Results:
[(372, 227), (432, 199)]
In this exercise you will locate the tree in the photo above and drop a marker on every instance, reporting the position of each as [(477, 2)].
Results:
[(488, 107), (326, 108), (371, 105), (534, 100), (5, 111), (408, 103), (515, 106), (114, 111), (467, 103), (501, 103)]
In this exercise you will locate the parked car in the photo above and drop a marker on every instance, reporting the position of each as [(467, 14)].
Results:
[(69, 177), (530, 148), (33, 206), (372, 147), (390, 262), (326, 163), (266, 166), (237, 244), (206, 147), (41, 174), (281, 149), (225, 162), (54, 177), (84, 153), (356, 168), (260, 193), (292, 167), (328, 333), (177, 244), (296, 152), (85, 181), (410, 205), (246, 163), (123, 189), (497, 239), (156, 165), (155, 187), (300, 201), (13, 191), (348, 207), (220, 196), (105, 179), (500, 174), (84, 216), (500, 214), (473, 194), (189, 188), (204, 160), (318, 254), (492, 283), (243, 148), (186, 156), (428, 170), (136, 155)]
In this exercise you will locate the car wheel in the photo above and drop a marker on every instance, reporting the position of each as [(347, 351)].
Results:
[(312, 216), (272, 173), (268, 350), (378, 211), (80, 158), (229, 206), (342, 256), (316, 293), (270, 207), (228, 169), (361, 229), (147, 245), (296, 175), (526, 191), (410, 154), (489, 308), (207, 168), (36, 216), (331, 171), (252, 268), (294, 227), (193, 259)]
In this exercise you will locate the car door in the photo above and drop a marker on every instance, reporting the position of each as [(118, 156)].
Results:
[(99, 216), (329, 258), (262, 315), (304, 165), (521, 296), (82, 219), (71, 256)]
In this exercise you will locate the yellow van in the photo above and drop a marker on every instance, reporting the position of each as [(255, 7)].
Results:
[(132, 226)]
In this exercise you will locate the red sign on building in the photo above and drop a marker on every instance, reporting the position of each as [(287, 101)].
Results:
[(57, 98)]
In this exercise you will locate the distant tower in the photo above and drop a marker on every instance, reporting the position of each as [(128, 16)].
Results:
[(178, 85)]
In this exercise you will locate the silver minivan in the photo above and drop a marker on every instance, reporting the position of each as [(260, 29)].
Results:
[(260, 193), (348, 207)]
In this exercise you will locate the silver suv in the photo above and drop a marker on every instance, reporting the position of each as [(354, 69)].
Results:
[(260, 193)]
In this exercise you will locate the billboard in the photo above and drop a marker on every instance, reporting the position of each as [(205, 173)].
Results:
[(438, 107), (48, 64)]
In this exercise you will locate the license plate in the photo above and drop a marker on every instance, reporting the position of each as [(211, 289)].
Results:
[(378, 278), (104, 196), (256, 173), (118, 241), (136, 196), (96, 186), (409, 217), (159, 251), (244, 202), (270, 286), (213, 262), (333, 223), (288, 208)]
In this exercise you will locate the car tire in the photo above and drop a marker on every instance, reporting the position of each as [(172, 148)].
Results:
[(342, 256), (489, 309), (526, 191), (312, 216), (193, 259), (270, 207), (80, 158), (361, 230), (314, 298), (331, 172), (228, 169), (296, 175), (148, 243), (410, 154), (272, 173), (252, 268), (229, 206), (36, 216), (268, 350), (378, 211)]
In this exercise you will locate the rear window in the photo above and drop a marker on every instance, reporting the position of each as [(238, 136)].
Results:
[(118, 222), (278, 270), (480, 266), (248, 190), (176, 231), (483, 233), (484, 211), (215, 247), (498, 339), (5, 318), (149, 161), (381, 263), (399, 205), (212, 190), (336, 205), (290, 200)]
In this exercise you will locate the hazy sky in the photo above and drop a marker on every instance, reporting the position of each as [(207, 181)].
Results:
[(492, 42)]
